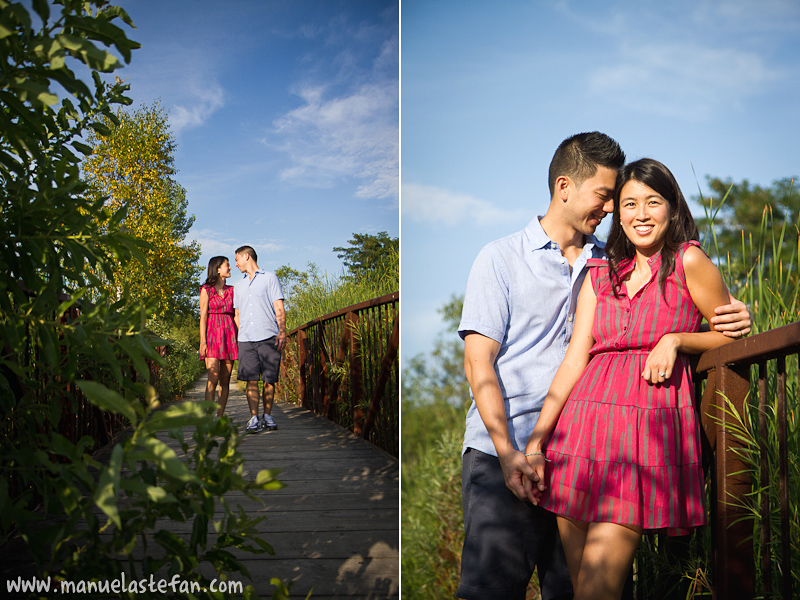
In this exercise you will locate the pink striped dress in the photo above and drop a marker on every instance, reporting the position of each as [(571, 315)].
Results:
[(221, 328), (625, 451)]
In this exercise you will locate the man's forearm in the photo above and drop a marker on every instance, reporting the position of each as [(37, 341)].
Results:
[(281, 319), (491, 406)]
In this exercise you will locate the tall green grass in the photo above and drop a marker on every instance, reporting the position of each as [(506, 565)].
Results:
[(320, 294), (434, 404), (769, 286), (771, 290), (432, 532)]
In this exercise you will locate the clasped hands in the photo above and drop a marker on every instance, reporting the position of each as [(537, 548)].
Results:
[(524, 475)]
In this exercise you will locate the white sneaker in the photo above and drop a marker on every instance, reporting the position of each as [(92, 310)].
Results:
[(253, 425), (268, 423)]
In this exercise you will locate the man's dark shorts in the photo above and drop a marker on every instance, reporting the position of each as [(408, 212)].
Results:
[(506, 538), (259, 360)]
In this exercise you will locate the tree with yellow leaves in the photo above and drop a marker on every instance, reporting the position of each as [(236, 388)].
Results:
[(132, 167)]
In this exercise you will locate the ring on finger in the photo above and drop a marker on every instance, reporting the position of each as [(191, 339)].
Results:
[(662, 374)]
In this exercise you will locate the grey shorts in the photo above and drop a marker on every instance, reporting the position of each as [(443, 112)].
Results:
[(259, 360), (505, 539)]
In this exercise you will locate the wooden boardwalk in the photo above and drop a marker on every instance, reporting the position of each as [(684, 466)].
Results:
[(335, 527)]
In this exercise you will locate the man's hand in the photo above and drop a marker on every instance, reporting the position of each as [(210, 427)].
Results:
[(518, 475), (280, 341), (732, 320)]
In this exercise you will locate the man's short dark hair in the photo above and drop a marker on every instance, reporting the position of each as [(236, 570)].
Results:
[(577, 157), (249, 251)]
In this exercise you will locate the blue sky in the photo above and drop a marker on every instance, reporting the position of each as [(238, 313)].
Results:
[(286, 117), (489, 90)]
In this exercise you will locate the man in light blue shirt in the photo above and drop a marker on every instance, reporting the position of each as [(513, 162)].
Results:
[(261, 321), (516, 323)]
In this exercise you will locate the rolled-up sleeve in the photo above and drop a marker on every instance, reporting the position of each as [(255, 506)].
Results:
[(486, 299)]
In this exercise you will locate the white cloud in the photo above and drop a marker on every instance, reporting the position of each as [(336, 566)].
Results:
[(204, 99), (748, 15), (184, 79), (439, 206), (212, 244), (353, 135), (683, 80)]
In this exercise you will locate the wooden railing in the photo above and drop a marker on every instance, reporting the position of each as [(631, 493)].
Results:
[(344, 366), (79, 417), (728, 371)]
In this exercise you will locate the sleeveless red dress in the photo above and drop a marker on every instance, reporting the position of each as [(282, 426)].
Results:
[(623, 450), (221, 328)]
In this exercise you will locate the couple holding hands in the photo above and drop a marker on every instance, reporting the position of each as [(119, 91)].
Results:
[(246, 321), (582, 433)]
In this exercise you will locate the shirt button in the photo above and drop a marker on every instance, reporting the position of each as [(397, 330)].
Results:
[(569, 318)]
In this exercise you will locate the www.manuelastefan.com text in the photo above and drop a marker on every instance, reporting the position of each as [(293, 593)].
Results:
[(120, 585)]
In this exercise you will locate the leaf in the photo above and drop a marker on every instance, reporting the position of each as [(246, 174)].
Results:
[(100, 128), (267, 476), (49, 345), (107, 399), (159, 495), (165, 459), (84, 149), (185, 414), (42, 8), (105, 496)]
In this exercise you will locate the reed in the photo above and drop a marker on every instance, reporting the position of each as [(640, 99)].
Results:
[(320, 294)]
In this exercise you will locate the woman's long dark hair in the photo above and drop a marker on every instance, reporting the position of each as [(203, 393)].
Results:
[(213, 266), (681, 226)]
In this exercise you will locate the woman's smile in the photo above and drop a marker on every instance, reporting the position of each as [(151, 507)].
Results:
[(644, 216)]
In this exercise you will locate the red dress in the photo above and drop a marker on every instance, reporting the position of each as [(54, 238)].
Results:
[(625, 451), (221, 328)]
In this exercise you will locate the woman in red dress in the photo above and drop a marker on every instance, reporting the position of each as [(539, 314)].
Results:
[(218, 330), (618, 425)]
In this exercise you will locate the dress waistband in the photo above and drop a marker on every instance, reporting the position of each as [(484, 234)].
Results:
[(635, 351)]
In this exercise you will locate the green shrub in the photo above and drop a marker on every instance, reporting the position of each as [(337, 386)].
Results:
[(66, 351), (182, 366)]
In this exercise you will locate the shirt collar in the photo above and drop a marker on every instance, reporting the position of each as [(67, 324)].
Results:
[(627, 265), (538, 238), (245, 275)]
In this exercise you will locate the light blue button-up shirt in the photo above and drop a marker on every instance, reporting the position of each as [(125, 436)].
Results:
[(253, 299), (522, 294)]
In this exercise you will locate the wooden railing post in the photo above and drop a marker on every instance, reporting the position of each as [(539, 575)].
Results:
[(302, 362), (728, 369), (356, 378), (733, 555)]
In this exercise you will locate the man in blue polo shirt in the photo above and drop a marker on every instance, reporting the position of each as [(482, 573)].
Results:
[(261, 319), (516, 323)]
